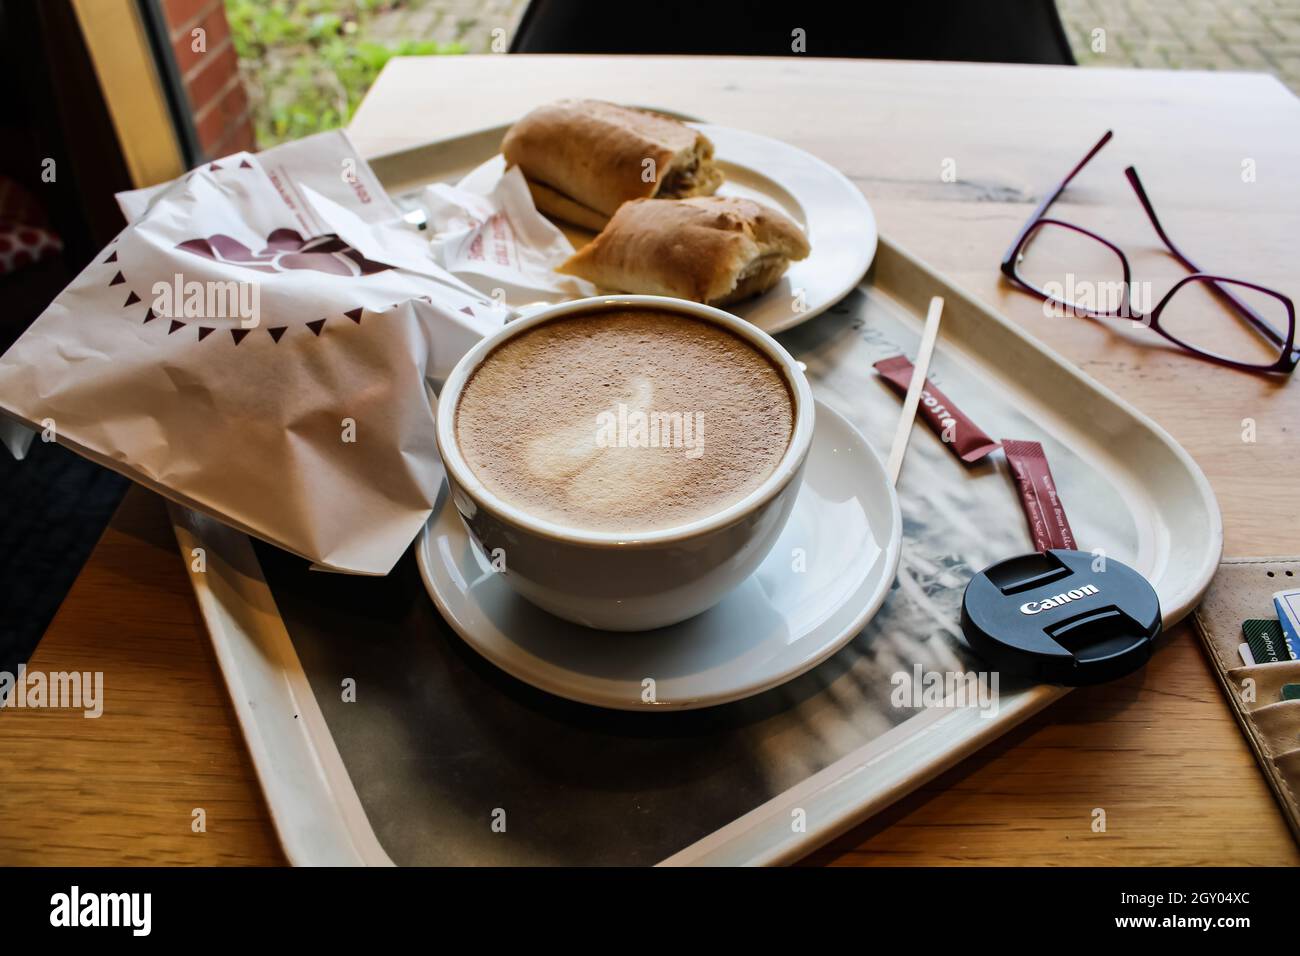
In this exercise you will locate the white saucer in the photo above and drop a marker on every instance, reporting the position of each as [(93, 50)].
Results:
[(779, 623), (832, 211)]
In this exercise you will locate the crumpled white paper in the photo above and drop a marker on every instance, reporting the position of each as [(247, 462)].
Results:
[(487, 232), (260, 344)]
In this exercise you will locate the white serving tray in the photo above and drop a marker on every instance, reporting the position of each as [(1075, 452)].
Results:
[(1129, 488)]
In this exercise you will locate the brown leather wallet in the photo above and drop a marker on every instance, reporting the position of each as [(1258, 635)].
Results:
[(1243, 588)]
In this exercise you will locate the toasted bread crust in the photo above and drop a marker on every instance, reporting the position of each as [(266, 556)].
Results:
[(559, 206), (715, 249), (599, 155)]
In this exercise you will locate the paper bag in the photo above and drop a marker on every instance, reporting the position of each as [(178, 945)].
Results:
[(260, 344)]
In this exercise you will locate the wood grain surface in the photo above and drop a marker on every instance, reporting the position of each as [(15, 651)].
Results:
[(1158, 751)]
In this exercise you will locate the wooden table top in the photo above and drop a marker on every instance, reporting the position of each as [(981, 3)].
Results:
[(1159, 751)]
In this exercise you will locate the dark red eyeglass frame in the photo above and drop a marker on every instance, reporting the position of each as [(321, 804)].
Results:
[(1288, 356)]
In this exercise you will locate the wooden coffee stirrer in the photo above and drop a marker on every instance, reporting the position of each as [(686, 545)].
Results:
[(921, 368)]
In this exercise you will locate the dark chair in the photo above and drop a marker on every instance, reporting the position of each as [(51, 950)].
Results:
[(994, 31)]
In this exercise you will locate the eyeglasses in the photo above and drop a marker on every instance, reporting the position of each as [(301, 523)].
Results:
[(1077, 272)]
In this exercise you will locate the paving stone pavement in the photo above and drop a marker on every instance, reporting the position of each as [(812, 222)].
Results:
[(1254, 35), (481, 26)]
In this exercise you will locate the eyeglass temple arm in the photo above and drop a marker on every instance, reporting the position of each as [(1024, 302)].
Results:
[(1041, 209), (1265, 328)]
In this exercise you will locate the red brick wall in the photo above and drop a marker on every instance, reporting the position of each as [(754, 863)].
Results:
[(218, 102)]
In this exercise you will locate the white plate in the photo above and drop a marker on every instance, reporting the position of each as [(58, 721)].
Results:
[(832, 211), (845, 533)]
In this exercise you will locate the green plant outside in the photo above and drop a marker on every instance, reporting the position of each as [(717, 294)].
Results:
[(307, 63)]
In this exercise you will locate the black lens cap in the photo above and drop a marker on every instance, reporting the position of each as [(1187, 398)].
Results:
[(1061, 617)]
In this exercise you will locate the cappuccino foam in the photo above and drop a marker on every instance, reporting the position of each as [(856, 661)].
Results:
[(625, 420)]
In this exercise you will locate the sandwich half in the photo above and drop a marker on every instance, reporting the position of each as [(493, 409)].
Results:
[(712, 249), (585, 158)]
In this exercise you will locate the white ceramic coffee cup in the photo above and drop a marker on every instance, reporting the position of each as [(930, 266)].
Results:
[(628, 581)]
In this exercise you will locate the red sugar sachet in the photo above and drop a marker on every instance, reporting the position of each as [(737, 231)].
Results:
[(1038, 495), (951, 424)]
